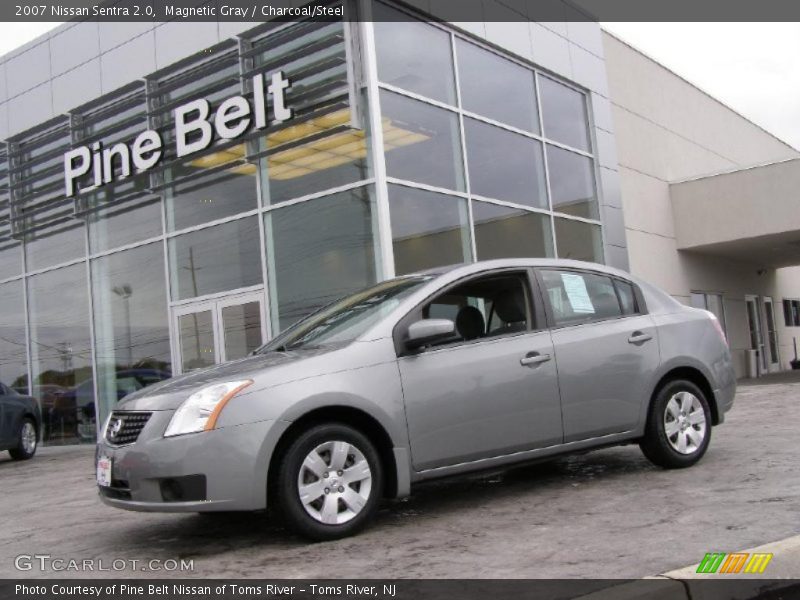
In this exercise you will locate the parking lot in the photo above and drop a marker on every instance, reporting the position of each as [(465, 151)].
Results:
[(604, 514)]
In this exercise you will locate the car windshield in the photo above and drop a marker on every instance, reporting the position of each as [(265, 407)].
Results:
[(346, 319)]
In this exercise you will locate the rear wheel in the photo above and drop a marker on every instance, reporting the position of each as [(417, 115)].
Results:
[(329, 482), (678, 427), (27, 441)]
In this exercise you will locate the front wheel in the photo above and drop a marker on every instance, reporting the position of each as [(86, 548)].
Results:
[(27, 440), (678, 427), (329, 482)]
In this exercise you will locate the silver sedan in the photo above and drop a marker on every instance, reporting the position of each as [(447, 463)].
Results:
[(419, 377)]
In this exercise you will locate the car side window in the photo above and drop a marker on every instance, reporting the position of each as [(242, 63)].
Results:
[(484, 307), (627, 297), (580, 297)]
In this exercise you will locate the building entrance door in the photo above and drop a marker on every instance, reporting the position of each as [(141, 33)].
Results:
[(756, 336), (214, 331), (774, 358)]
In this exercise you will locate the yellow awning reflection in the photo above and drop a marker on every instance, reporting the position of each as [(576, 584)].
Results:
[(318, 155)]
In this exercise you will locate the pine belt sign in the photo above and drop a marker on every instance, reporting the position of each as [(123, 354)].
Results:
[(195, 130)]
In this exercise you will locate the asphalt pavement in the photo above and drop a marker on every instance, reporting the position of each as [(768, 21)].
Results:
[(609, 513)]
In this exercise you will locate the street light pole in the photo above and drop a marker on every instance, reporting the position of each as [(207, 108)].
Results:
[(125, 292)]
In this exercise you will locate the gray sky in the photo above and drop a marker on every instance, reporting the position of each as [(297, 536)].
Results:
[(752, 67)]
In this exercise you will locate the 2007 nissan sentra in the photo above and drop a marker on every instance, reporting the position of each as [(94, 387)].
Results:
[(424, 376)]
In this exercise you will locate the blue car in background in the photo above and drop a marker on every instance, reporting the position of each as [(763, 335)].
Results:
[(81, 399), (20, 423)]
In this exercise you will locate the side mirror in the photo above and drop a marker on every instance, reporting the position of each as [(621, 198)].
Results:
[(428, 331)]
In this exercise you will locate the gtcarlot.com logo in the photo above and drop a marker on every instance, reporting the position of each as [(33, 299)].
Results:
[(736, 562), (46, 562)]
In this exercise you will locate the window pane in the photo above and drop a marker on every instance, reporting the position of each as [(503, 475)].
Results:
[(564, 114), (572, 183), (502, 232), (787, 313), (626, 297), (698, 300), (318, 251), (196, 332), (715, 305), (413, 55), (577, 240), (61, 353), (124, 224), (210, 197), (580, 297), (428, 230), (10, 259), (44, 250), (241, 328), (131, 326), (421, 142), (319, 164), (497, 88), (220, 258), (13, 349), (505, 165)]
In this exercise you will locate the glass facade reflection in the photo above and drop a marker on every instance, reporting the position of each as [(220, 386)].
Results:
[(428, 229), (319, 251), (447, 152), (61, 353), (131, 323), (216, 259), (13, 347)]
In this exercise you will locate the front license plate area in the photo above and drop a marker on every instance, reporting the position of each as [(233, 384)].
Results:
[(104, 471)]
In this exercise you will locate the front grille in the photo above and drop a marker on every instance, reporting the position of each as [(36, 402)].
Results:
[(124, 427)]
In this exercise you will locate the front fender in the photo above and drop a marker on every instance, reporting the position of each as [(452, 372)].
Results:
[(374, 390)]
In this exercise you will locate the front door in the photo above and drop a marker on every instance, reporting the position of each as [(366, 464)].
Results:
[(219, 330), (774, 358), (756, 332), (492, 389)]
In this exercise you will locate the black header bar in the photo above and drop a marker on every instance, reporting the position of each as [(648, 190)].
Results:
[(442, 10)]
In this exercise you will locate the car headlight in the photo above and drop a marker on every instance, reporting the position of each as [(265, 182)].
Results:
[(200, 411)]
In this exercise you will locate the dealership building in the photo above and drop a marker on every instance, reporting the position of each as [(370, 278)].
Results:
[(174, 194)]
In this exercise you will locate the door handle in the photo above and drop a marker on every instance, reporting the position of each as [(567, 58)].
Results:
[(637, 337), (533, 358)]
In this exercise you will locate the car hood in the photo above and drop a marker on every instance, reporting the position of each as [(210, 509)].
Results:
[(263, 369)]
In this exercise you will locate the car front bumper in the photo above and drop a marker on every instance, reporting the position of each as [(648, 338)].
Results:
[(220, 470)]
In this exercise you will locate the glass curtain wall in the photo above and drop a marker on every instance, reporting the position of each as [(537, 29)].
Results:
[(294, 204), (131, 327), (61, 353), (483, 148)]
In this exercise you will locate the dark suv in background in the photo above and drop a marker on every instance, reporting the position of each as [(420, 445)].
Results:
[(20, 423)]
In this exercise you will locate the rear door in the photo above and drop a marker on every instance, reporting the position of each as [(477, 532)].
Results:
[(606, 350)]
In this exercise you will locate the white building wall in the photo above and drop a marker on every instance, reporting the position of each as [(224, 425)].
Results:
[(668, 130)]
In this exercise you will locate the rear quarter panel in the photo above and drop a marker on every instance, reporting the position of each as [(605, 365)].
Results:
[(688, 338)]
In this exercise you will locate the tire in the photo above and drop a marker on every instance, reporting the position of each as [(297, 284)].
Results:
[(678, 428), (338, 502), (27, 440)]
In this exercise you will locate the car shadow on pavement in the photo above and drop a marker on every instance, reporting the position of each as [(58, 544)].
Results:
[(206, 535)]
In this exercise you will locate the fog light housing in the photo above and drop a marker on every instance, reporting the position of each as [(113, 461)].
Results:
[(191, 488)]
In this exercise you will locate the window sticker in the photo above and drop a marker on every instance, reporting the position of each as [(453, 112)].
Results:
[(577, 294)]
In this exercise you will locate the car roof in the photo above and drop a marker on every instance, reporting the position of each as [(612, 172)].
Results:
[(486, 265)]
